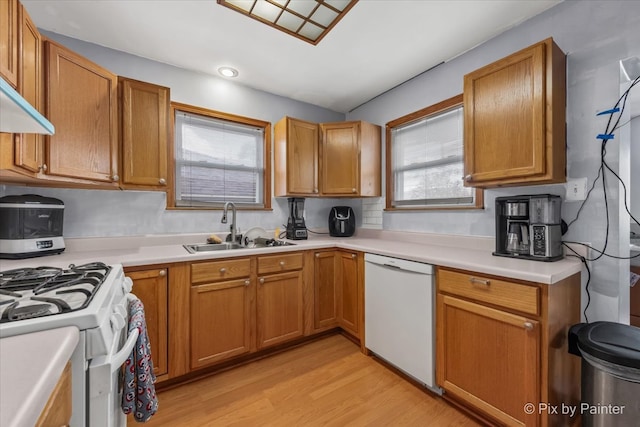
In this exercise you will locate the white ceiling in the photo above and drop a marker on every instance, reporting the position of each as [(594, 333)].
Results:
[(376, 46)]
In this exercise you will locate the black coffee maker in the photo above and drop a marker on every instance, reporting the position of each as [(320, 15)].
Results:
[(296, 228)]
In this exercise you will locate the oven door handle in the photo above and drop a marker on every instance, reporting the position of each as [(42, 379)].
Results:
[(118, 359)]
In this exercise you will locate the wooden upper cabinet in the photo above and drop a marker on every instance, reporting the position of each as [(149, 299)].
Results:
[(350, 159), (296, 158), (144, 109), (514, 119), (339, 159), (82, 104), (29, 148), (9, 45)]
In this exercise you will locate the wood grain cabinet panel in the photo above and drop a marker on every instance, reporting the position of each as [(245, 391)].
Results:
[(325, 290), (29, 148), (280, 308), (350, 291), (514, 119), (296, 158), (151, 286), (144, 112), (9, 45), (82, 103), (340, 159), (501, 344), (220, 321), (57, 410)]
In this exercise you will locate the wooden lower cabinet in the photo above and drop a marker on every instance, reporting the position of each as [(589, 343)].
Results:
[(502, 344), (220, 321), (57, 410), (350, 291), (151, 286), (280, 308), (325, 293)]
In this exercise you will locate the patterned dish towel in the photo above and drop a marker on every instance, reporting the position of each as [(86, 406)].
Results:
[(139, 392)]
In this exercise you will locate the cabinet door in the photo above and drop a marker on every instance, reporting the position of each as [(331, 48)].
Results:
[(478, 347), (220, 321), (349, 293), (279, 308), (29, 150), (514, 119), (340, 158), (81, 101), (145, 129), (9, 25), (295, 157), (151, 287), (325, 290)]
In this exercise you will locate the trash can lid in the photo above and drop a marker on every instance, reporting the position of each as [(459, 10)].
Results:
[(613, 342)]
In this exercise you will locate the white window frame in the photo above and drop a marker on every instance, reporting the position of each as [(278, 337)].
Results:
[(394, 173), (236, 124)]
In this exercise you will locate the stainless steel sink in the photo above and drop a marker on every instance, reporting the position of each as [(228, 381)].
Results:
[(208, 247)]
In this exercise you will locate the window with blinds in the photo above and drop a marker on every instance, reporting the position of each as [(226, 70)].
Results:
[(218, 161), (427, 163)]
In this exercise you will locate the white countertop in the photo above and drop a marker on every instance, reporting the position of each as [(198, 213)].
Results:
[(462, 252), (30, 367)]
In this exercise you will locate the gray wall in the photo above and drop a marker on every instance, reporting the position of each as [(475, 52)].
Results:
[(100, 213), (595, 35)]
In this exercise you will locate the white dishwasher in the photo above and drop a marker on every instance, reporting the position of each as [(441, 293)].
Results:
[(400, 315)]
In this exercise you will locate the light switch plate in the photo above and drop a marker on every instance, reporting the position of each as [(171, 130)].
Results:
[(576, 189)]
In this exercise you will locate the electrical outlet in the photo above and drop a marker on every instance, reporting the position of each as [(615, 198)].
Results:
[(576, 189)]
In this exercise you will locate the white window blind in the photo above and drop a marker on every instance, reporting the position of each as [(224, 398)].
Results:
[(218, 161), (428, 162)]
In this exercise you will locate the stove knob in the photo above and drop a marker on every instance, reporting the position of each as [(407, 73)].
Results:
[(127, 285), (119, 309), (117, 322)]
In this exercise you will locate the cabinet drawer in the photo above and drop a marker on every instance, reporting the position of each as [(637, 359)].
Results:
[(278, 263), (220, 270), (509, 295)]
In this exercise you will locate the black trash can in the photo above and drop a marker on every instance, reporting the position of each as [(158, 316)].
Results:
[(610, 373)]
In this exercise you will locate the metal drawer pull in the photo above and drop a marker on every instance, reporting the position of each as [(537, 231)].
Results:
[(528, 326), (261, 280), (281, 263), (353, 256), (223, 270), (247, 282), (317, 255), (476, 281), (162, 273)]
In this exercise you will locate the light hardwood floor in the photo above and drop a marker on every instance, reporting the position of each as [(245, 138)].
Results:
[(324, 383)]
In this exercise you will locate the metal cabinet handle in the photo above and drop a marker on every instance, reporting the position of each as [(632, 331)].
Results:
[(317, 255), (247, 282), (476, 281), (528, 326), (282, 263), (162, 273), (353, 256), (162, 181), (468, 178), (315, 190), (223, 270), (115, 178), (261, 280), (353, 190)]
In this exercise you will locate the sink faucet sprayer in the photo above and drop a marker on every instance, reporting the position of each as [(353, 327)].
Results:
[(232, 227)]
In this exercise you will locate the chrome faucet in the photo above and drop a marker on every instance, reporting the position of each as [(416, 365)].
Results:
[(232, 227)]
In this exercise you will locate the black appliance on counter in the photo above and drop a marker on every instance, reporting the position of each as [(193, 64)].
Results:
[(342, 221), (30, 226), (296, 228), (529, 227)]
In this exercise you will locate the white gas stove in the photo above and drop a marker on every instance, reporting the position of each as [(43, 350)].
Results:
[(92, 297)]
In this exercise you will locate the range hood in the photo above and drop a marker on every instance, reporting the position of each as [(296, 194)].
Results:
[(18, 116)]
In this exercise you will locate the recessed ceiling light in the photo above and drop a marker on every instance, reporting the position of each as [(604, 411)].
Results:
[(308, 20), (228, 72)]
